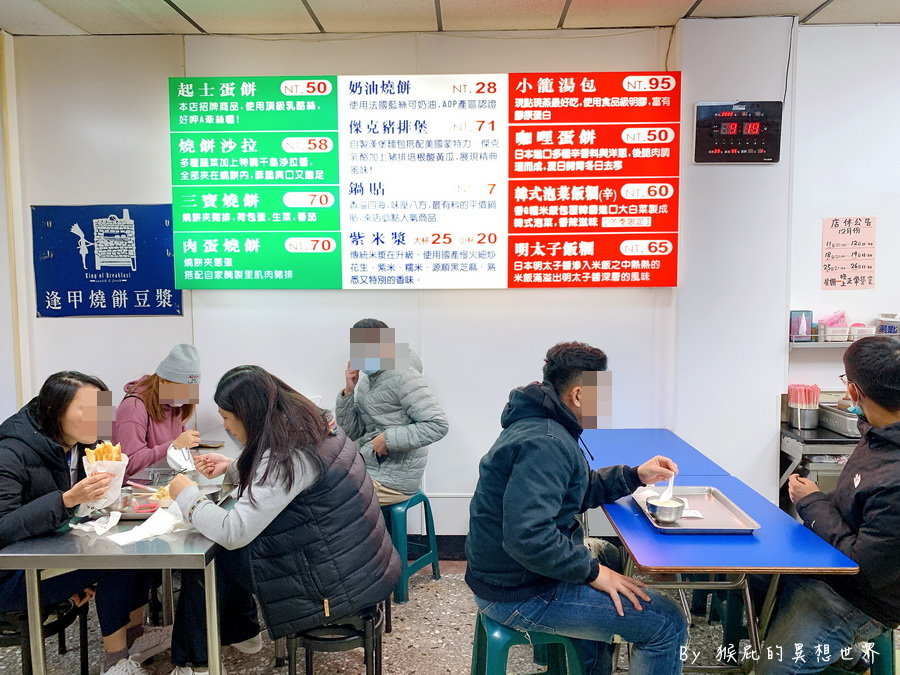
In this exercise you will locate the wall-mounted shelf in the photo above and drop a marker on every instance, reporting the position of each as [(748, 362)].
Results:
[(819, 345)]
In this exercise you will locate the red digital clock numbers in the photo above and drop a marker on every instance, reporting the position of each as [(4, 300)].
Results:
[(743, 128)]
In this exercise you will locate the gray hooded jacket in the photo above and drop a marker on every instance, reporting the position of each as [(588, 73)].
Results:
[(399, 404)]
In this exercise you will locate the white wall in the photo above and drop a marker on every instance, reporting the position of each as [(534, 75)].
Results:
[(7, 353), (730, 353), (847, 144), (91, 106), (94, 127), (476, 345), (93, 121)]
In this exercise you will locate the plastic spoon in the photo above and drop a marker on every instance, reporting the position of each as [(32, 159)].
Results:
[(667, 493)]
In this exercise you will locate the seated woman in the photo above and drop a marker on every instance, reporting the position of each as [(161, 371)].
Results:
[(42, 481), (306, 536), (150, 419)]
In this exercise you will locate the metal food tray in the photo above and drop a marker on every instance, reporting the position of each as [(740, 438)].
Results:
[(837, 420), (720, 514), (212, 492)]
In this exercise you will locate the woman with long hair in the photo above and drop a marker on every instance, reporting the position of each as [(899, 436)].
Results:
[(42, 481), (150, 420), (305, 537)]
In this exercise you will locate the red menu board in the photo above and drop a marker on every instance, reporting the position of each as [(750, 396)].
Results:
[(593, 190)]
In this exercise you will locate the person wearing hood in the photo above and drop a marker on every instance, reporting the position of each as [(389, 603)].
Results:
[(42, 481), (390, 413), (527, 563), (150, 419), (861, 518)]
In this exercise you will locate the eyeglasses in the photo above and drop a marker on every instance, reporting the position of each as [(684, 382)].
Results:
[(843, 379)]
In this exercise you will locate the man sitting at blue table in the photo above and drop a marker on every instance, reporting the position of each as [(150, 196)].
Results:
[(532, 484), (861, 518)]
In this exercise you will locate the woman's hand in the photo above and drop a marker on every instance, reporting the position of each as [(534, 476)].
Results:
[(187, 439), (212, 464), (179, 483), (87, 489), (85, 596)]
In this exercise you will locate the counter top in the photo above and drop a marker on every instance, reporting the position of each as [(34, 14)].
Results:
[(817, 436)]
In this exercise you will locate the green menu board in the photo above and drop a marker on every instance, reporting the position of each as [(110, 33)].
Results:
[(254, 199)]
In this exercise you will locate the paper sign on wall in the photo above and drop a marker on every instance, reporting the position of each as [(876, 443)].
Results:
[(848, 253), (426, 181)]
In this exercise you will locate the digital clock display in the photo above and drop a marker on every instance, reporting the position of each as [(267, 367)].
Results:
[(738, 131), (745, 128)]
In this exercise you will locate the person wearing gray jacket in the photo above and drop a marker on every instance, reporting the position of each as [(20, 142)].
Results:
[(390, 413)]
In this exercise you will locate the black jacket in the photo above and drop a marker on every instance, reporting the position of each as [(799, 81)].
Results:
[(861, 518), (523, 536), (33, 475), (329, 544)]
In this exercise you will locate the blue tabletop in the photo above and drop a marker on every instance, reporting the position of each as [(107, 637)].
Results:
[(635, 446), (781, 544)]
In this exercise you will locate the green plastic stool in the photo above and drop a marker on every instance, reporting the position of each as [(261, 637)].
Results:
[(395, 517), (490, 649), (882, 664)]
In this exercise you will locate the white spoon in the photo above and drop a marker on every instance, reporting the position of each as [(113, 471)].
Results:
[(667, 493)]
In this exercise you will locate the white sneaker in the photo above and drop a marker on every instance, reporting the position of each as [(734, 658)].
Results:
[(187, 670), (251, 646), (125, 667), (155, 639)]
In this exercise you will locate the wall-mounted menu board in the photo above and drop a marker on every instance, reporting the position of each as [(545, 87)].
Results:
[(426, 181)]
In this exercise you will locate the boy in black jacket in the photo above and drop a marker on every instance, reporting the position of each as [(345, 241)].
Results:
[(527, 563), (818, 619)]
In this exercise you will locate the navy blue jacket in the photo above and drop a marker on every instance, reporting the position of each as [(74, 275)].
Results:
[(523, 536), (328, 553)]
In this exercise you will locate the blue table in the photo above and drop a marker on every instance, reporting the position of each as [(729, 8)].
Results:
[(780, 545), (635, 446)]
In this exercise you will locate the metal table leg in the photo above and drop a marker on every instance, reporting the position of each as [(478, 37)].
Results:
[(765, 612), (168, 598), (35, 621), (752, 627), (212, 619)]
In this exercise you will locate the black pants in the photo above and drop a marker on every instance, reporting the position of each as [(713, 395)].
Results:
[(237, 609), (119, 592)]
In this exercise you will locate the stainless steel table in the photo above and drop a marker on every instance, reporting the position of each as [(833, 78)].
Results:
[(81, 550)]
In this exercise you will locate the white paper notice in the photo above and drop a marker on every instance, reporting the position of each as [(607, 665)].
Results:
[(848, 253)]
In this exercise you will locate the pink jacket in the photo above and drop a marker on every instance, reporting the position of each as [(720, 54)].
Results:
[(144, 440)]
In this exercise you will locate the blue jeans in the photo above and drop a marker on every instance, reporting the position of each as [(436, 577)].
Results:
[(580, 611), (811, 624)]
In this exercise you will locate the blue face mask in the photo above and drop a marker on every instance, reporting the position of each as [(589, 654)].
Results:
[(370, 372), (856, 410)]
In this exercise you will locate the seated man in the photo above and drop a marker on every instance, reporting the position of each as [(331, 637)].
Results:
[(821, 616), (527, 563), (390, 413)]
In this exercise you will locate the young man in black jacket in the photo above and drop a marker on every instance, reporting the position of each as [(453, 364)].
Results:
[(818, 619), (527, 563)]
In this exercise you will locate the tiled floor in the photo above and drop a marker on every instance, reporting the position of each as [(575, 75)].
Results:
[(432, 635)]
